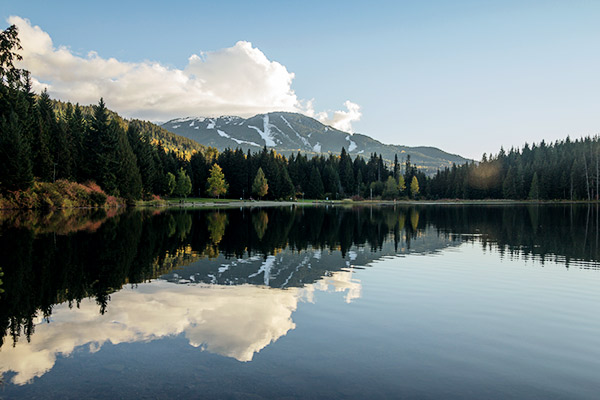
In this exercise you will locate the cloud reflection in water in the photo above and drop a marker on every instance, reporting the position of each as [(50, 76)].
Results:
[(233, 321)]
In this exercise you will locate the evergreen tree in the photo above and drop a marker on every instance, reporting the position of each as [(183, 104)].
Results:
[(199, 173), (43, 166), (100, 146), (9, 53), (331, 181), (260, 186), (169, 183), (15, 164), (509, 187), (144, 154), (128, 177), (216, 184), (346, 173), (315, 185), (360, 186), (76, 124), (534, 191), (285, 183)]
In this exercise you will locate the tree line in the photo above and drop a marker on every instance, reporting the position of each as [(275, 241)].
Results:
[(566, 169)]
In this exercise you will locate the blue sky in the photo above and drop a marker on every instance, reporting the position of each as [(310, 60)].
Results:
[(465, 76)]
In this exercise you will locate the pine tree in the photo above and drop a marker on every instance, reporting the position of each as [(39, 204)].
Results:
[(43, 166), (15, 163), (359, 183), (534, 191), (199, 173), (510, 184), (77, 132), (169, 183), (315, 185), (143, 151), (331, 181), (216, 184), (9, 53), (101, 142), (285, 183), (260, 186), (128, 177), (396, 168), (346, 172)]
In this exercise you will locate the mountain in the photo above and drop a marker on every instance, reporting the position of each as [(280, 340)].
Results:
[(291, 132)]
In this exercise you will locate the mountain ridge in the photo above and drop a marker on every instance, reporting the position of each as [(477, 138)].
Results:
[(288, 133)]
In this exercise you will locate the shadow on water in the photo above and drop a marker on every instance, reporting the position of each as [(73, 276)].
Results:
[(58, 258)]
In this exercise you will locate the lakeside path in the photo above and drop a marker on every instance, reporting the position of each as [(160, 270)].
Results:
[(207, 203)]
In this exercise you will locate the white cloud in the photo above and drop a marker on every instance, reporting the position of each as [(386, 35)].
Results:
[(238, 80), (342, 120)]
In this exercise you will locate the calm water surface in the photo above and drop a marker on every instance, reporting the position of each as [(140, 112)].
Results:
[(304, 302)]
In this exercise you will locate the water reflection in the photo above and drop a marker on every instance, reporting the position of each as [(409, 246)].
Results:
[(229, 280), (233, 321)]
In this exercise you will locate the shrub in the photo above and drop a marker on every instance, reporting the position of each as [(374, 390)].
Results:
[(98, 199)]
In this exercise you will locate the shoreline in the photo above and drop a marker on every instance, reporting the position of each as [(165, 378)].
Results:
[(274, 203), (206, 203)]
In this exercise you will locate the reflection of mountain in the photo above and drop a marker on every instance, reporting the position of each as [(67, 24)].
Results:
[(234, 321), (289, 268)]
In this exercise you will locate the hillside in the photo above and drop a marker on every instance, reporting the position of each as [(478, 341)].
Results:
[(291, 132), (170, 141)]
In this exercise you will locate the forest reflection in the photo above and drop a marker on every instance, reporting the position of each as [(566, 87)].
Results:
[(65, 258)]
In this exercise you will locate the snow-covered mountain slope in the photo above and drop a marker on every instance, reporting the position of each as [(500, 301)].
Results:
[(291, 132)]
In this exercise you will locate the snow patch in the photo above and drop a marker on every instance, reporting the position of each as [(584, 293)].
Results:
[(302, 138), (317, 147), (211, 125), (181, 120), (223, 268), (238, 141), (352, 145), (223, 134), (176, 126), (266, 268), (192, 123), (265, 133), (229, 118)]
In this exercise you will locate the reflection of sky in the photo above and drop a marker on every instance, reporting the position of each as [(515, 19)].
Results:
[(233, 321)]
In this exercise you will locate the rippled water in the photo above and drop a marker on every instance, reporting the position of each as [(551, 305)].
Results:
[(309, 302)]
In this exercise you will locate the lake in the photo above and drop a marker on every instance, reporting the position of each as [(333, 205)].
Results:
[(321, 302)]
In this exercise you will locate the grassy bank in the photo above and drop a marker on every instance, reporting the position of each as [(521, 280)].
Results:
[(208, 202)]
